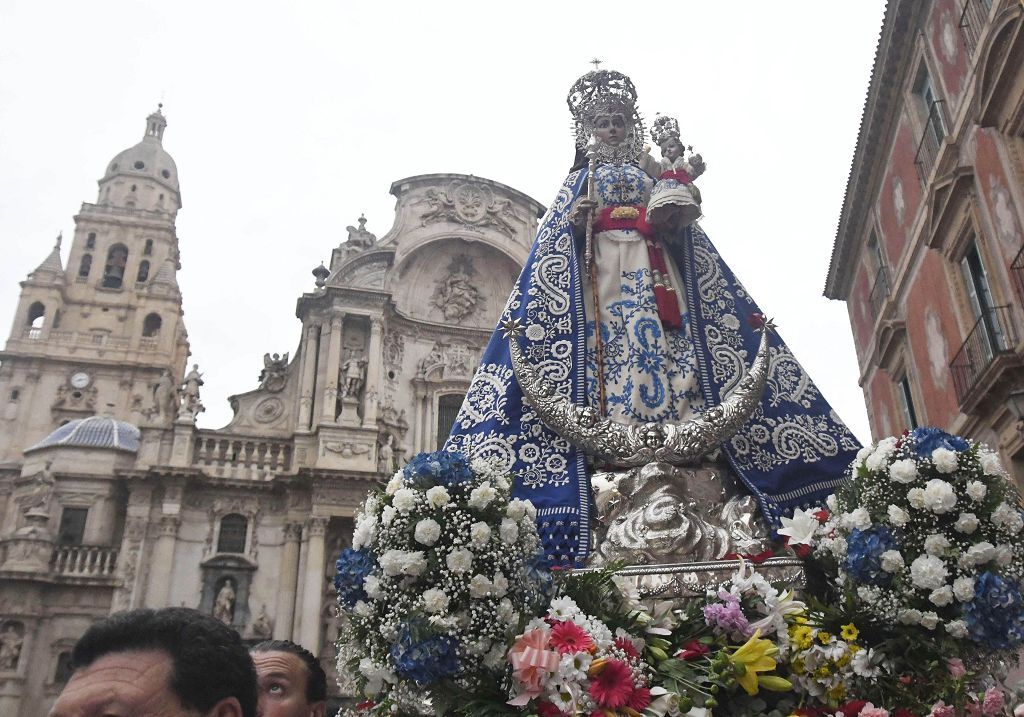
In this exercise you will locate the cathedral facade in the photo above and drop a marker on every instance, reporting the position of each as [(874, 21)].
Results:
[(111, 496)]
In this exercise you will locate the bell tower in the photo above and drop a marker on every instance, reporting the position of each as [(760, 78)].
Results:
[(105, 334)]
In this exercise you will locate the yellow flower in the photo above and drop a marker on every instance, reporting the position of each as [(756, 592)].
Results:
[(753, 657), (797, 666), (801, 636), (837, 693), (843, 659), (849, 632), (824, 637), (822, 671)]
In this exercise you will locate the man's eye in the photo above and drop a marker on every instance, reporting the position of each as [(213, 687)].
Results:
[(275, 689)]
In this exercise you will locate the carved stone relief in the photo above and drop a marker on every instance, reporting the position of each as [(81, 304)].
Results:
[(12, 637), (274, 374), (455, 294), (447, 361), (268, 410), (394, 351), (471, 204)]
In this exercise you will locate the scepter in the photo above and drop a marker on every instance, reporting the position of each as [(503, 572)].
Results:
[(591, 268)]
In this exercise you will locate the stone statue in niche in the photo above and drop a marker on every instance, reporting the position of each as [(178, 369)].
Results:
[(353, 372), (191, 405), (224, 603), (40, 495), (12, 637), (272, 377), (261, 626), (162, 394), (386, 454), (360, 238), (455, 294)]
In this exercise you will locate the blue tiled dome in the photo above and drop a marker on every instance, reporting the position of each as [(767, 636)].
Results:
[(93, 432)]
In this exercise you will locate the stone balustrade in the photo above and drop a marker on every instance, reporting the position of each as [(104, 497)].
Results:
[(89, 561), (246, 458)]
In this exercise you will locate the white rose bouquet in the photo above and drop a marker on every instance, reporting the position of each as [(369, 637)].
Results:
[(927, 532), (443, 566)]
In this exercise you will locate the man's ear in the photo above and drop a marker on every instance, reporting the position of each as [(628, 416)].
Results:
[(227, 707), (318, 709)]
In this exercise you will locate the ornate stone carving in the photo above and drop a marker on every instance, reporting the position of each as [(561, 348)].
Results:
[(359, 237), (292, 532), (455, 294), (394, 351), (268, 410), (274, 374), (448, 361), (262, 627), (12, 637), (162, 395), (386, 454), (69, 398), (353, 373), (471, 204), (40, 494), (346, 449), (191, 406), (224, 603), (316, 527)]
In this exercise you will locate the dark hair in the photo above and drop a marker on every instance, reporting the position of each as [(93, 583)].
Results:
[(316, 678), (209, 660)]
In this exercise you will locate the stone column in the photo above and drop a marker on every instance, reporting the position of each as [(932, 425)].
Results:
[(313, 590), (288, 582), (374, 359), (307, 386), (162, 562), (331, 369)]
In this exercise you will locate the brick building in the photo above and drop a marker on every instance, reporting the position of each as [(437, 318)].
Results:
[(929, 253)]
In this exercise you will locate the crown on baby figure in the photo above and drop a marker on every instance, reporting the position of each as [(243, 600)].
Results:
[(664, 128)]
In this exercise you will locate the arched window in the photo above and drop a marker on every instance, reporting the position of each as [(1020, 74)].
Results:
[(233, 529), (85, 266), (90, 241), (143, 272), (151, 325), (113, 272), (447, 409), (36, 315), (148, 249)]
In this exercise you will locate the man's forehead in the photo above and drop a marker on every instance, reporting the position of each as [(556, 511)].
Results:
[(122, 677), (278, 661)]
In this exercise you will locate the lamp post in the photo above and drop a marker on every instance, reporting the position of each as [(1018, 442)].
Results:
[(1015, 404)]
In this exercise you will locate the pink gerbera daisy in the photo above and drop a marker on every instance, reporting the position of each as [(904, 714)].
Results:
[(639, 700), (611, 683), (569, 638), (626, 645)]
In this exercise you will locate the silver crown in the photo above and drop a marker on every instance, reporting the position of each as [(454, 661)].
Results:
[(600, 92), (664, 128)]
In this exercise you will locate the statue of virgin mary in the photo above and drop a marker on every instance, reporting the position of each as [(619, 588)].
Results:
[(636, 319)]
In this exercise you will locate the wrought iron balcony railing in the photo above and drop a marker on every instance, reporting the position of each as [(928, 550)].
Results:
[(993, 335), (972, 21), (879, 291), (1017, 272), (932, 134)]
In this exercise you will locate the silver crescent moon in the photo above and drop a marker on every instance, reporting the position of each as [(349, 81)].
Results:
[(628, 445)]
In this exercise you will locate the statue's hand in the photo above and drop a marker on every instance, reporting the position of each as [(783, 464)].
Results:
[(581, 209)]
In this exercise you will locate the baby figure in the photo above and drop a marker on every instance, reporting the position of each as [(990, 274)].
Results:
[(675, 201)]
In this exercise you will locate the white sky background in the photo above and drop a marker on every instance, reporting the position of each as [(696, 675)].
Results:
[(287, 120)]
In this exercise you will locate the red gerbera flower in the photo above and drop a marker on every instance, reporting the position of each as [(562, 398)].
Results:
[(569, 638), (692, 650), (611, 683), (626, 645), (546, 709), (639, 700), (853, 708)]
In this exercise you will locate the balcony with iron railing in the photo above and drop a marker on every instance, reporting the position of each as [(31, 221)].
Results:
[(1017, 272), (973, 18), (241, 457), (932, 134), (992, 336), (84, 561), (879, 291)]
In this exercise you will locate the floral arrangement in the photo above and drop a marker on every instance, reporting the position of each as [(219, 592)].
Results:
[(569, 663), (927, 532), (442, 569)]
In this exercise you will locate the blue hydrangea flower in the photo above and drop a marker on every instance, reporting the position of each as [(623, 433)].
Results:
[(927, 439), (445, 468), (864, 550), (995, 617), (352, 568), (425, 661)]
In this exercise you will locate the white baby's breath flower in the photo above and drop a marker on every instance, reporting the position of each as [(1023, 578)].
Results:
[(459, 560), (1004, 555), (928, 572), (945, 460), (396, 482), (435, 601), (404, 500), (976, 490), (956, 628), (897, 516), (505, 611), (963, 588), (509, 531), (362, 609), (929, 620), (939, 496), (499, 584), (967, 523), (903, 471), (479, 533), (936, 544), (479, 586), (838, 547), (892, 561), (427, 532), (915, 496), (481, 496), (941, 597)]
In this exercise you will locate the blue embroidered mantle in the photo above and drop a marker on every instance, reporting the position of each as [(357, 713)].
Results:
[(792, 452)]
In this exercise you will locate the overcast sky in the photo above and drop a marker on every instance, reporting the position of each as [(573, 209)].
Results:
[(287, 120)]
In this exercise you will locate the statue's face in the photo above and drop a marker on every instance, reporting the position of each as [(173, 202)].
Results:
[(672, 149), (611, 128)]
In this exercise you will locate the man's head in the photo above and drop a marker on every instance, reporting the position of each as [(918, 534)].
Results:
[(173, 662), (291, 681)]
